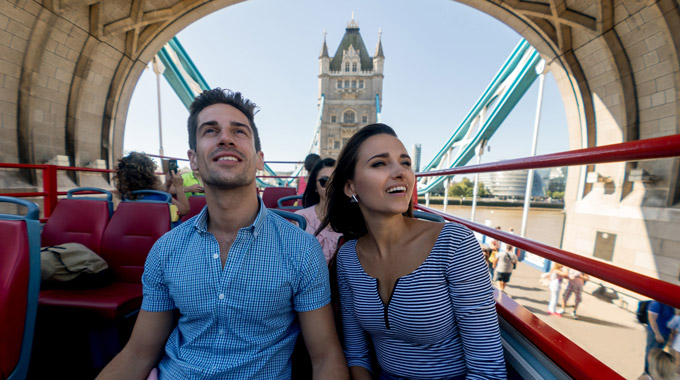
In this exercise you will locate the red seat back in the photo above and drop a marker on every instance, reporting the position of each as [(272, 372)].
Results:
[(271, 195), (77, 221), (14, 275), (196, 204), (129, 236)]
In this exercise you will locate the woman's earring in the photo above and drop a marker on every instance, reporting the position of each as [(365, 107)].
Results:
[(354, 199)]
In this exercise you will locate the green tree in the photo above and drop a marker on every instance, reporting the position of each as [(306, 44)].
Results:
[(466, 187)]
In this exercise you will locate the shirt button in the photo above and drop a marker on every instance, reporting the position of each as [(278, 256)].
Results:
[(221, 332), (216, 256), (221, 296), (255, 234)]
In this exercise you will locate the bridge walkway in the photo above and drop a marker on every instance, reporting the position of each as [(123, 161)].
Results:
[(603, 329)]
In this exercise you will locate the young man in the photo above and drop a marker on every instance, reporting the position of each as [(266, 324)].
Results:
[(239, 276), (506, 260)]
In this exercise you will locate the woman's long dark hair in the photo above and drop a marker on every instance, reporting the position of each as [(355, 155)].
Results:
[(311, 197), (344, 216)]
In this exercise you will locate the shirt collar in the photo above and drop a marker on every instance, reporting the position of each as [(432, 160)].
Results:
[(201, 223)]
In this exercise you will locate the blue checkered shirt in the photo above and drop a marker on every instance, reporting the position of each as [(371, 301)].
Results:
[(236, 322)]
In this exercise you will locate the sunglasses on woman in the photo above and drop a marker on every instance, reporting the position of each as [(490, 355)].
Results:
[(323, 181)]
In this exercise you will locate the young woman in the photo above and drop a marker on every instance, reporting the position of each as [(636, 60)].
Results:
[(556, 274), (418, 291), (314, 203)]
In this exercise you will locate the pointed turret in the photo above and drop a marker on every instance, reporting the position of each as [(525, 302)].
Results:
[(324, 48), (379, 57), (378, 47)]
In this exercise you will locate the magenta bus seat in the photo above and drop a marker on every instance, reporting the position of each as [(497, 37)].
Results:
[(196, 204), (127, 240), (78, 220), (19, 286), (271, 195)]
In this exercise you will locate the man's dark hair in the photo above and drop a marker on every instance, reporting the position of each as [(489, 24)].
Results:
[(311, 196), (310, 161), (344, 216), (222, 96)]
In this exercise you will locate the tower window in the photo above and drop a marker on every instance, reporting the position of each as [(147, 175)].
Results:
[(361, 83), (347, 66), (348, 116), (354, 84), (354, 67), (339, 84), (334, 119), (336, 144), (364, 119), (346, 83)]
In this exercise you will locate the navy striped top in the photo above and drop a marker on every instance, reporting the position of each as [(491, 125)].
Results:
[(440, 321)]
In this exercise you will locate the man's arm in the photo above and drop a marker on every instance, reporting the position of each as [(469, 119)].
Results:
[(318, 330), (144, 349), (651, 318)]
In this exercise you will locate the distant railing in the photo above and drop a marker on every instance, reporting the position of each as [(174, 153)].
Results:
[(655, 148)]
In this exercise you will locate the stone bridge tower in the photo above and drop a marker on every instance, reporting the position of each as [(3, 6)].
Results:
[(350, 81)]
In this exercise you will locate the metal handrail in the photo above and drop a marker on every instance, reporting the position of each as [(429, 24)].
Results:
[(639, 150)]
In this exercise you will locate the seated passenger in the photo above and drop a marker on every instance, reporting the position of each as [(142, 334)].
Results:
[(314, 203), (242, 280), (418, 290), (309, 163), (136, 171)]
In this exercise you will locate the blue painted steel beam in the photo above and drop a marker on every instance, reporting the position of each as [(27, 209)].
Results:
[(499, 108)]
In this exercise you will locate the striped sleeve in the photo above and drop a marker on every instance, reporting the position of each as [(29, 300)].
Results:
[(356, 347), (474, 307)]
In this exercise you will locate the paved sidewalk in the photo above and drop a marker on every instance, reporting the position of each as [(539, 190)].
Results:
[(606, 331)]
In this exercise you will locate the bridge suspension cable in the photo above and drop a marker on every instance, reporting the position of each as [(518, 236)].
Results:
[(504, 92), (187, 82)]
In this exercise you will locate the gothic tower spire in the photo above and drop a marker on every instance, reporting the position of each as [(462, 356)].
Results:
[(350, 82)]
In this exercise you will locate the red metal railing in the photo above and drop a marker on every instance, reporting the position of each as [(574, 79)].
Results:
[(660, 147), (49, 176)]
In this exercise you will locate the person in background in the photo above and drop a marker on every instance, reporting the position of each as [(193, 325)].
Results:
[(674, 326), (243, 281), (658, 316), (575, 286), (309, 163), (506, 260), (662, 366), (192, 183), (137, 171), (418, 291), (556, 274), (314, 203), (495, 243)]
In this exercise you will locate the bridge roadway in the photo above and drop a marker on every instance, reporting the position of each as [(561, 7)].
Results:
[(603, 329)]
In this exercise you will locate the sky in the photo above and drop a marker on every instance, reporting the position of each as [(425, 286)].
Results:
[(439, 57)]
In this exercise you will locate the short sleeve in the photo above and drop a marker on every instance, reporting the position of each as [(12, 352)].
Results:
[(155, 291), (313, 289)]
